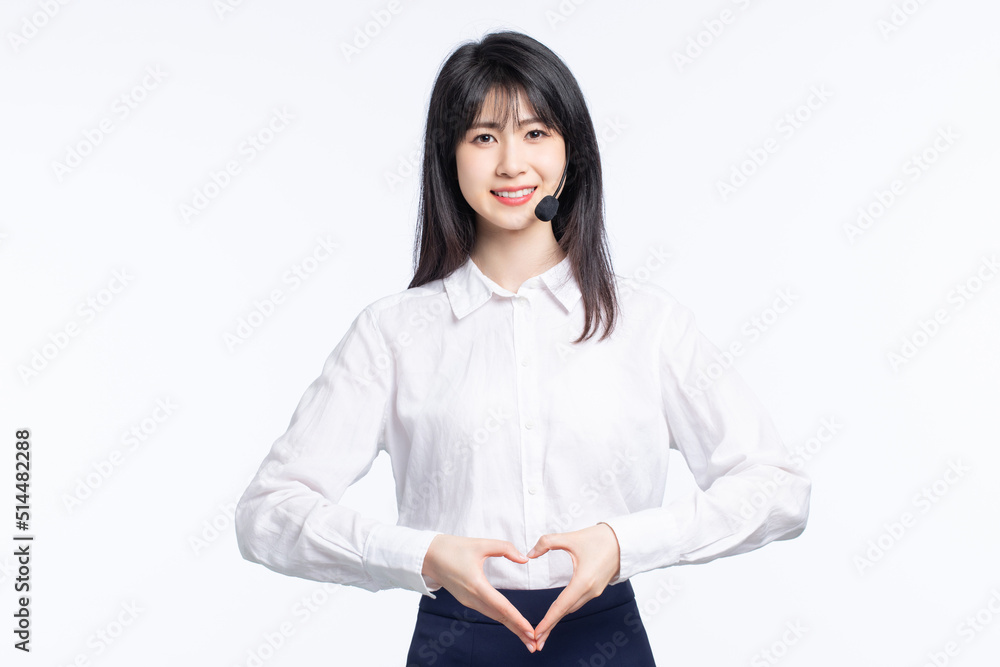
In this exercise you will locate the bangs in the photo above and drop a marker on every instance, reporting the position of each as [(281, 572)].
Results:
[(508, 105)]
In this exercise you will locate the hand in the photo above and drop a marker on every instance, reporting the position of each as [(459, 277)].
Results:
[(457, 564), (596, 561)]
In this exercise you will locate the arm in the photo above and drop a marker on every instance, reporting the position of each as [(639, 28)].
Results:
[(288, 518), (750, 493)]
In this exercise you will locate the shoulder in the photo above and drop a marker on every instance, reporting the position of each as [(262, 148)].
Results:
[(406, 298), (391, 311), (651, 302)]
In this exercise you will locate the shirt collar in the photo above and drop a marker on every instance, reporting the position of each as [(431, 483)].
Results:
[(468, 287)]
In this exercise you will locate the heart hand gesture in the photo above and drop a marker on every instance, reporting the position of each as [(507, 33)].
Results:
[(457, 564), (596, 561)]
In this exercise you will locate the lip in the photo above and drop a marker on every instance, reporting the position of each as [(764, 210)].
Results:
[(514, 189), (515, 201)]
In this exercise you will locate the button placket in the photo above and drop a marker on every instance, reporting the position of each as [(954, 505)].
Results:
[(531, 449)]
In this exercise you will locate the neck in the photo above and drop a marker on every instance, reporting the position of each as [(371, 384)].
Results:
[(508, 259)]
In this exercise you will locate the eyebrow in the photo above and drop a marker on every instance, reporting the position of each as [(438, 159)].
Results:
[(496, 126)]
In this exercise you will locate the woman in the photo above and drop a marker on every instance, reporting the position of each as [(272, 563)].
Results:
[(526, 402)]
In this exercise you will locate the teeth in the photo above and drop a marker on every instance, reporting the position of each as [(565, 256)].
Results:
[(516, 193)]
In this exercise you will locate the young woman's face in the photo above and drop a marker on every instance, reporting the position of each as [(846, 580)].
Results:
[(525, 155)]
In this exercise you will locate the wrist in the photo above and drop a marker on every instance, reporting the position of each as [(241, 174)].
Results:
[(617, 546)]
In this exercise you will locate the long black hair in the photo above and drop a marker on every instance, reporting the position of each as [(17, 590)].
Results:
[(513, 64)]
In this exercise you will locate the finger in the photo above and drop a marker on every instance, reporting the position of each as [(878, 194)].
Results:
[(494, 548), (487, 600), (498, 548), (544, 544), (491, 603), (559, 608), (569, 600), (511, 553), (505, 612)]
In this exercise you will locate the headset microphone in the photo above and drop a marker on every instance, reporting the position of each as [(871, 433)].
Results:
[(546, 209)]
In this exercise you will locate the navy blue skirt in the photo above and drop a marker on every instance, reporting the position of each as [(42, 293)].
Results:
[(607, 631)]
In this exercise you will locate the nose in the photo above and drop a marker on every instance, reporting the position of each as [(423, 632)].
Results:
[(511, 159)]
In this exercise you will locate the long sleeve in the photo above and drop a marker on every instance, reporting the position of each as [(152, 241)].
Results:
[(288, 518), (749, 491)]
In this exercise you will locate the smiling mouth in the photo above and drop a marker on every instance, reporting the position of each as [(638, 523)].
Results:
[(514, 194)]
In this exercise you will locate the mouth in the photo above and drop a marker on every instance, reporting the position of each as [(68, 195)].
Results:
[(514, 197)]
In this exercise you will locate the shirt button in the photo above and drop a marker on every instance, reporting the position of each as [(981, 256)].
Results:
[(533, 489), (524, 362), (529, 424)]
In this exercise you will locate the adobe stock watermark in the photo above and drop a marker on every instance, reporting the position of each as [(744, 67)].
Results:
[(899, 16), (417, 323), (628, 285), (32, 24), (927, 328), (409, 165), (758, 501), (104, 637), (609, 132), (264, 308), (496, 418), (301, 611), (656, 259), (211, 529), (912, 169), (121, 108), (805, 452), (606, 648), (562, 12), (370, 30), (779, 648), (594, 488), (652, 604), (753, 329), (220, 179), (223, 8), (104, 468), (764, 491), (786, 127), (712, 29), (923, 502), (8, 570), (87, 311), (967, 630), (434, 649)]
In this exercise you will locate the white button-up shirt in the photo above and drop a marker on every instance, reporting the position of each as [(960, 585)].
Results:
[(497, 426)]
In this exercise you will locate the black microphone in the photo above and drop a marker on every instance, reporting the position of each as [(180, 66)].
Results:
[(547, 208)]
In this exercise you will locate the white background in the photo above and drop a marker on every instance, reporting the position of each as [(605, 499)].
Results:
[(155, 533)]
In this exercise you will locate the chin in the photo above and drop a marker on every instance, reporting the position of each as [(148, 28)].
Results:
[(512, 223)]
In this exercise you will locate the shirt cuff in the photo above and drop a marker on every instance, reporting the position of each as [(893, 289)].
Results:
[(632, 531), (394, 557)]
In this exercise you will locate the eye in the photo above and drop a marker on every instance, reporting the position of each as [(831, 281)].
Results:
[(540, 132), (476, 138)]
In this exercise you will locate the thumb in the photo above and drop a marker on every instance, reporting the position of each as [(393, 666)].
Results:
[(545, 544), (510, 552)]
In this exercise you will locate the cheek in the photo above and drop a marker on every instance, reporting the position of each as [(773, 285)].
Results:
[(470, 173), (556, 164), (464, 181), (555, 160)]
